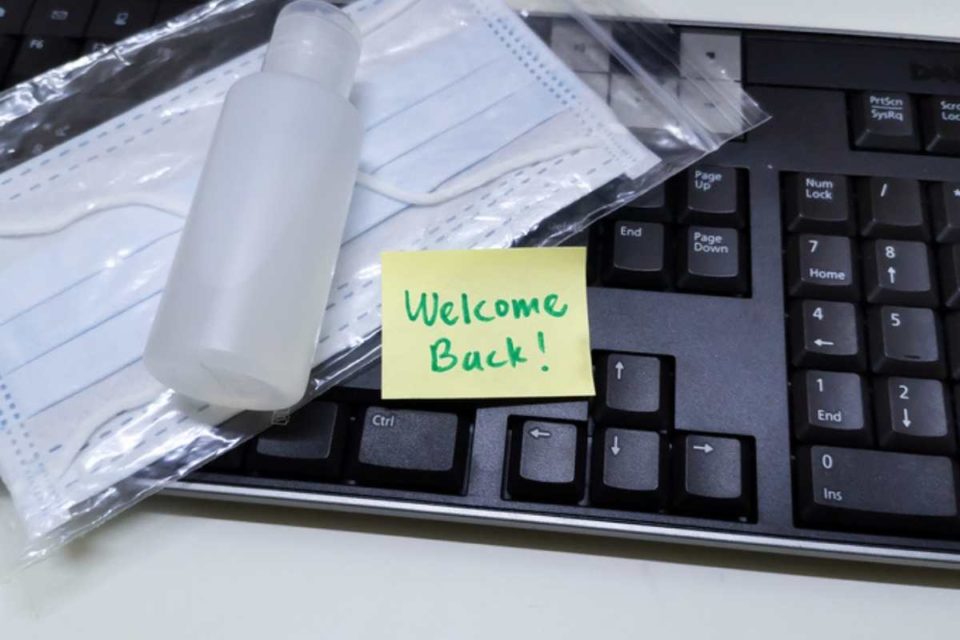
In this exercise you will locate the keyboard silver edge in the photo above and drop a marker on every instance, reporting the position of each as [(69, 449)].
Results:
[(612, 528)]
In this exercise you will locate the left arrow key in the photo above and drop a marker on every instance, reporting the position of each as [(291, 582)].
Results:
[(547, 462)]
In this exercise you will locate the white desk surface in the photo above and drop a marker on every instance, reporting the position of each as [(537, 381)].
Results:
[(175, 569)]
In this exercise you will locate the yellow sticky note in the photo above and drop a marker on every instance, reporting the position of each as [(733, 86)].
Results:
[(491, 323)]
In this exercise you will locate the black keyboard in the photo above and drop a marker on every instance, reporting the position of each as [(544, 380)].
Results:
[(776, 332), (37, 35)]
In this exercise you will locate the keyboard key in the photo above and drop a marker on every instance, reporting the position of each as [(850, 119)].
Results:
[(892, 208), (629, 469), (876, 490), (638, 255), (830, 407), (38, 54), (13, 15), (309, 446), (826, 335), (66, 18), (899, 272), (945, 210), (117, 19), (884, 121), (950, 275), (632, 390), (819, 203), (953, 343), (578, 47), (712, 197), (822, 267), (712, 476), (415, 449), (92, 46), (711, 261), (547, 462), (913, 415), (653, 206), (941, 124), (905, 340)]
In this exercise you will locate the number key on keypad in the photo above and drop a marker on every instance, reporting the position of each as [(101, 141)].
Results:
[(899, 272), (906, 340), (830, 407), (913, 415), (822, 267), (826, 335)]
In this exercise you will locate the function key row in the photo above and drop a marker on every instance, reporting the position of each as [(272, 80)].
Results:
[(892, 121), (685, 236), (892, 208)]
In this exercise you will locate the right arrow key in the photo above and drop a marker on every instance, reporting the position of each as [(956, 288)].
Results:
[(714, 476)]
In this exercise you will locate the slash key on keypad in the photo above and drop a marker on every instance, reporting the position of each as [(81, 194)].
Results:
[(821, 267), (712, 261)]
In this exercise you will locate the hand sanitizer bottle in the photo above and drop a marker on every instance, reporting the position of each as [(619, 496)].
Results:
[(239, 319)]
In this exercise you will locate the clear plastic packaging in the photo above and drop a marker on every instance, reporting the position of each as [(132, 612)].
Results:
[(499, 143)]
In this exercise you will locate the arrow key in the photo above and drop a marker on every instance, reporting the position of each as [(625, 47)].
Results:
[(547, 462), (914, 415), (629, 470), (899, 272), (713, 476), (632, 390)]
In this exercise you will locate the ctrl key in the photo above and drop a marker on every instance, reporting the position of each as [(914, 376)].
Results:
[(712, 261), (412, 449), (860, 489)]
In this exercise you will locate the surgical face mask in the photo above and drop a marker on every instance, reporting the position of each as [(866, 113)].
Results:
[(475, 133)]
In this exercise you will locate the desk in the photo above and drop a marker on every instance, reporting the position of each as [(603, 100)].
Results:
[(185, 569)]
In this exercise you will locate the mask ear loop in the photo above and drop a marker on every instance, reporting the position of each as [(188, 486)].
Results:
[(28, 220), (473, 180)]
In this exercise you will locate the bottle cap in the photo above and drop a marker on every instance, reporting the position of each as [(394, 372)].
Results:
[(316, 40)]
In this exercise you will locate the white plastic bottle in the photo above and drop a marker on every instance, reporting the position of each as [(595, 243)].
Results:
[(240, 317)]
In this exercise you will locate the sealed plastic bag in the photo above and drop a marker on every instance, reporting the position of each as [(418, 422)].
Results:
[(478, 135)]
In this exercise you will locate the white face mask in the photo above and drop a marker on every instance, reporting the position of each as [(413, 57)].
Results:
[(468, 116)]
